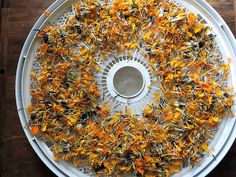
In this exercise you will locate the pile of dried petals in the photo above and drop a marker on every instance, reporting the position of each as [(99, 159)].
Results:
[(173, 132)]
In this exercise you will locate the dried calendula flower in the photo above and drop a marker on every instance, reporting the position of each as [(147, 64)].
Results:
[(174, 130), (35, 130), (198, 28)]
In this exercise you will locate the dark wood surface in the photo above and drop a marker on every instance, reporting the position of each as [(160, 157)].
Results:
[(17, 158)]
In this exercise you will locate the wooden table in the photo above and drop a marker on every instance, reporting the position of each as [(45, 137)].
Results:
[(17, 158)]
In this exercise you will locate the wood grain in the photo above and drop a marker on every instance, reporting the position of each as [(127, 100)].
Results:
[(17, 158)]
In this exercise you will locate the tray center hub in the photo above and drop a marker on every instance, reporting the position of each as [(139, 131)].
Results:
[(128, 82)]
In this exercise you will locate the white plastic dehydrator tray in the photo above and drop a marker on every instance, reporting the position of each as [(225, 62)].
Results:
[(225, 135)]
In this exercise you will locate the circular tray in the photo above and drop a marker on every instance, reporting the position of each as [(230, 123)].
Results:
[(226, 132)]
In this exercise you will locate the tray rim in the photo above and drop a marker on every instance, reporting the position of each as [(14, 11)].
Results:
[(23, 116)]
